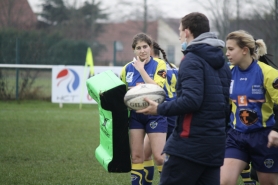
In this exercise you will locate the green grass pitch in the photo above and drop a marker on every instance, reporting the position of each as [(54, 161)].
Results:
[(42, 144)]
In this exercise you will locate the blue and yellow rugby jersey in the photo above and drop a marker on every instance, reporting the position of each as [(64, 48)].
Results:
[(155, 69), (170, 84), (253, 92)]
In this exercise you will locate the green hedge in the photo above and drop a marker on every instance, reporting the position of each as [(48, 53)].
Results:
[(38, 47)]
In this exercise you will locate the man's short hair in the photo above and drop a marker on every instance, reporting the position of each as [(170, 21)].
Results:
[(196, 22)]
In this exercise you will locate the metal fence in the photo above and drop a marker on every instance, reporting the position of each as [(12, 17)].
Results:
[(25, 83)]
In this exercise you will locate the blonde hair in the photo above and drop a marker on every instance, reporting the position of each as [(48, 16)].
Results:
[(243, 39)]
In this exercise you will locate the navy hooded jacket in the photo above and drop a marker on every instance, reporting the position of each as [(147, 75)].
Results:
[(202, 103)]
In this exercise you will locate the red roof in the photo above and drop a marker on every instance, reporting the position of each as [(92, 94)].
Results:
[(124, 33), (16, 14)]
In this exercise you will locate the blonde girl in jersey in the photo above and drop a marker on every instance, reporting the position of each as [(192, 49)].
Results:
[(252, 136)]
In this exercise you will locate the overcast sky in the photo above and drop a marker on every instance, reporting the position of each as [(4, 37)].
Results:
[(169, 8), (118, 11)]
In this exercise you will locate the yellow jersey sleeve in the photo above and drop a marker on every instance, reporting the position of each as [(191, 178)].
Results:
[(123, 75), (270, 81), (160, 73)]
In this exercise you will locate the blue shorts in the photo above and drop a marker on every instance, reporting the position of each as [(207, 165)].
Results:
[(252, 147), (151, 124)]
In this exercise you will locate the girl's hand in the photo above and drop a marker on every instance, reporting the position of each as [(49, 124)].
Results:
[(138, 65)]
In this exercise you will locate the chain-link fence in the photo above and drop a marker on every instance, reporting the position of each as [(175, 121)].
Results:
[(25, 84), (34, 48), (38, 48)]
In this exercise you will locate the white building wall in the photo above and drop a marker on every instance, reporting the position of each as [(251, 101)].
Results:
[(168, 37)]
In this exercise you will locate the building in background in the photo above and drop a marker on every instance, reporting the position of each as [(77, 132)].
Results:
[(168, 38), (17, 14), (117, 38)]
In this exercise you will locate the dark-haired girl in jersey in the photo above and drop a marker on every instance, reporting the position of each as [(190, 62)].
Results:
[(170, 89), (144, 70)]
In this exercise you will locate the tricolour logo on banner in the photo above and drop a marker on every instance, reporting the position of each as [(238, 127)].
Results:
[(70, 77), (67, 83)]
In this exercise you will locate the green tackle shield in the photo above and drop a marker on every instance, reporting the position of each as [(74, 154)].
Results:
[(108, 91)]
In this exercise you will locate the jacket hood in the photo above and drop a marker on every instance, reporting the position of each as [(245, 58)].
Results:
[(209, 38), (208, 47)]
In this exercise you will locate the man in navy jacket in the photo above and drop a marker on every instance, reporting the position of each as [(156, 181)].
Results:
[(195, 151)]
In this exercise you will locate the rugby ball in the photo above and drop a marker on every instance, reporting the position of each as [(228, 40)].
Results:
[(134, 98)]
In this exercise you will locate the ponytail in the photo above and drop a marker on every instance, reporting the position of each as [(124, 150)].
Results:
[(157, 48), (260, 48), (261, 52)]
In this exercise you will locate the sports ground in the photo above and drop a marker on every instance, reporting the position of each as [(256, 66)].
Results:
[(41, 143), (44, 144)]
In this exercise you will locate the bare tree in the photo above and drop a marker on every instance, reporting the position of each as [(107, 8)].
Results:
[(220, 12), (73, 20), (142, 11), (256, 17), (261, 22)]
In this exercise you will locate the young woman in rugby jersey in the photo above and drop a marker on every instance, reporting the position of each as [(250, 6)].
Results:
[(144, 70), (253, 135), (249, 175), (169, 87)]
